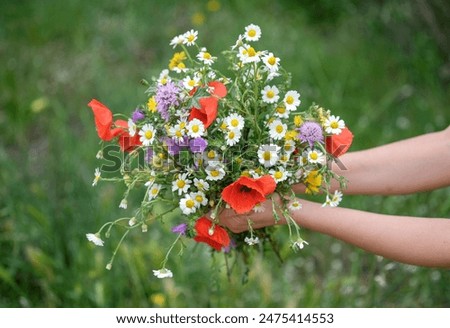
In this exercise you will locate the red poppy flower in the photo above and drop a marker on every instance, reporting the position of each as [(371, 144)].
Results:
[(243, 194), (219, 89), (207, 112), (103, 121), (126, 142), (216, 237), (338, 144)]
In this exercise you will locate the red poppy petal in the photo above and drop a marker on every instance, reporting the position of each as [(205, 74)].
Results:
[(127, 143), (267, 184), (209, 107), (196, 113), (242, 195), (103, 119), (337, 145), (220, 90), (217, 240)]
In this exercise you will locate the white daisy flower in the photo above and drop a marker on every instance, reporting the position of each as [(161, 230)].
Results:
[(147, 134), (123, 204), (190, 83), (163, 273), (234, 121), (232, 137), (163, 77), (176, 41), (181, 184), (271, 62), (248, 54), (252, 32), (201, 184), (292, 100), (268, 154), (277, 129), (195, 128), (239, 42), (154, 191), (95, 238), (251, 240), (334, 125), (177, 132), (295, 205), (212, 158), (316, 157), (334, 200), (131, 127), (284, 158), (270, 94), (190, 37), (215, 173), (205, 57), (187, 205), (289, 146), (97, 176), (199, 198), (280, 174), (259, 208)]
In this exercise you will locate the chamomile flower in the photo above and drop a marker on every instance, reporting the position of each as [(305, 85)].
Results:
[(123, 204), (268, 154), (289, 146), (154, 191), (205, 57), (284, 158), (277, 129), (131, 128), (334, 125), (176, 41), (199, 198), (232, 137), (239, 42), (195, 128), (252, 32), (187, 205), (251, 240), (234, 121), (295, 205), (281, 112), (163, 273), (97, 177), (95, 238), (248, 54), (201, 184), (280, 174), (190, 37), (315, 157), (147, 134), (270, 94), (271, 62), (259, 208), (177, 132), (163, 77), (215, 173), (334, 200), (181, 184), (190, 83), (292, 100)]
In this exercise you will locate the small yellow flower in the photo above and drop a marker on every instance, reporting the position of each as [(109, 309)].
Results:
[(177, 60), (158, 299), (298, 120), (198, 19), (151, 104), (313, 182), (213, 5), (245, 174), (291, 135)]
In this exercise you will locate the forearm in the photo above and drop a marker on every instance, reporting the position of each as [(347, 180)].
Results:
[(413, 165), (417, 241)]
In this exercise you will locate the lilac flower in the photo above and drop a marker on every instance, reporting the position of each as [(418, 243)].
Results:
[(149, 155), (198, 145), (137, 115), (180, 229), (311, 132), (166, 96), (173, 147), (228, 248)]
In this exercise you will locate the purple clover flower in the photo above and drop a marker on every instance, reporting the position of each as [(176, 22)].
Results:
[(198, 145), (166, 96), (311, 132), (137, 115), (180, 229)]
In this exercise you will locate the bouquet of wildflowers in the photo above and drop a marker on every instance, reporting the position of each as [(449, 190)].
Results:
[(205, 140)]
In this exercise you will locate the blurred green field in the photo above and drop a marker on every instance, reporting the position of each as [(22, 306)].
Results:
[(382, 65)]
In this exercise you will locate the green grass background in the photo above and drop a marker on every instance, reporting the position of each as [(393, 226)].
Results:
[(382, 65)]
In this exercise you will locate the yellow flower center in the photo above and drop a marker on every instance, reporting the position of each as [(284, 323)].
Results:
[(279, 128), (199, 198), (154, 191), (191, 83), (313, 156), (272, 60), (251, 33), (231, 135), (181, 184), (290, 100), (234, 122), (190, 203), (206, 55), (178, 134), (298, 120), (334, 125), (215, 173), (211, 154), (148, 134), (281, 110), (191, 37), (278, 175), (251, 52), (195, 128), (267, 155), (287, 147), (270, 94)]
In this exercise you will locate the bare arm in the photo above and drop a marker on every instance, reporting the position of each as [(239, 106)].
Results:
[(412, 165), (412, 240)]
